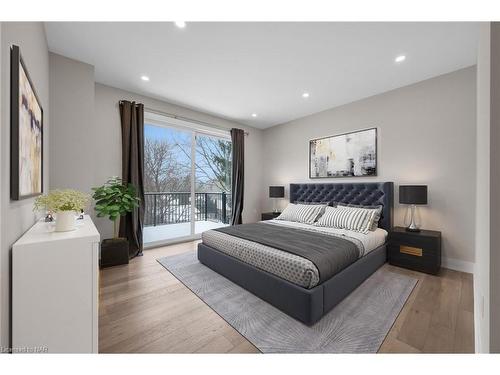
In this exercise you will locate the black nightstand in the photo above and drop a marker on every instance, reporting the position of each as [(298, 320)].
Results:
[(419, 251), (270, 215)]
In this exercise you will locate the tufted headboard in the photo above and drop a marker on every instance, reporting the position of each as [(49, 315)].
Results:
[(370, 193)]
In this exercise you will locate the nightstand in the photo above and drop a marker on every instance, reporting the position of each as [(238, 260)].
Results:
[(270, 215), (419, 251)]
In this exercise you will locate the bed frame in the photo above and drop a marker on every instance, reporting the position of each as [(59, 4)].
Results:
[(309, 305)]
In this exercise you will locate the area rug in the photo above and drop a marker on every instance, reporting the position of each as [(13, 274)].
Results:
[(358, 324)]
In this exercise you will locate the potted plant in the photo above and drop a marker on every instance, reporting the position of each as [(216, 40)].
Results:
[(113, 200), (65, 204)]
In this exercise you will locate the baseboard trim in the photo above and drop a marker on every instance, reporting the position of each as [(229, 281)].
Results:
[(457, 265)]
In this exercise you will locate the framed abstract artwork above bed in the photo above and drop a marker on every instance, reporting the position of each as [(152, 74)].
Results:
[(345, 155), (26, 116)]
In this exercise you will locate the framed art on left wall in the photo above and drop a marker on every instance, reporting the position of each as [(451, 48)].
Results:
[(26, 132)]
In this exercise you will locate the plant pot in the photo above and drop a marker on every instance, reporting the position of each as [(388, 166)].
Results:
[(114, 251), (65, 221)]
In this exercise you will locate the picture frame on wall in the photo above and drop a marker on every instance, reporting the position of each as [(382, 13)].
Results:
[(352, 154), (26, 132)]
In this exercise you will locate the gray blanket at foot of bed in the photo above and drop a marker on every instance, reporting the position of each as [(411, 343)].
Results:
[(330, 254)]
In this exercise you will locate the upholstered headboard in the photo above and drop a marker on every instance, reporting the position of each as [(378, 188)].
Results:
[(370, 193)]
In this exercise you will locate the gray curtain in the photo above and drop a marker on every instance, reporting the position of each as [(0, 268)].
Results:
[(238, 140), (132, 120)]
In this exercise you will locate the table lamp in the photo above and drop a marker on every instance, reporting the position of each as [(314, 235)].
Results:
[(413, 195), (276, 192)]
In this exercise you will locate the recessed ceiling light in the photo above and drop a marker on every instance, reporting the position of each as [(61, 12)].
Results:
[(400, 58), (254, 114), (145, 78), (305, 95), (180, 24)]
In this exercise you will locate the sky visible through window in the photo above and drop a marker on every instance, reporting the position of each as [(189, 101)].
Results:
[(180, 142), (172, 136)]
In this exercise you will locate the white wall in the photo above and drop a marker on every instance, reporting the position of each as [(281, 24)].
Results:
[(495, 189), (1, 211), (487, 274), (86, 148), (72, 124), (18, 216), (482, 240), (426, 134)]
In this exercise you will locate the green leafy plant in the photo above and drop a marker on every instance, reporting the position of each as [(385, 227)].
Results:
[(114, 199), (62, 200)]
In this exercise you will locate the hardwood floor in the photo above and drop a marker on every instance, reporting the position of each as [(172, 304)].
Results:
[(438, 316), (144, 309)]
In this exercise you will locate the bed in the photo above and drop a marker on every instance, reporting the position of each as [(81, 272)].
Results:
[(296, 289)]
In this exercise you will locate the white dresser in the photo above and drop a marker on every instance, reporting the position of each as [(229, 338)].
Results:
[(55, 289)]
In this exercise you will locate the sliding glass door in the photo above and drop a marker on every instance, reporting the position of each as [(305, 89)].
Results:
[(167, 183), (212, 182), (187, 181)]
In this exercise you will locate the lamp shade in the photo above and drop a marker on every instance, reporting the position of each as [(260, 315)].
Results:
[(276, 191), (413, 194)]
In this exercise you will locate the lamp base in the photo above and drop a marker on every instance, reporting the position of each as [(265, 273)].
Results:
[(275, 206), (413, 227), (408, 229)]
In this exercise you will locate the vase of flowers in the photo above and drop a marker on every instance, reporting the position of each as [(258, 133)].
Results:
[(65, 204)]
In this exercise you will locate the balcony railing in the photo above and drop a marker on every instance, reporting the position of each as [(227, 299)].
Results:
[(163, 208)]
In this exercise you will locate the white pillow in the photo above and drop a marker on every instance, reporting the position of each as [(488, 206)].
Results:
[(351, 218), (302, 213)]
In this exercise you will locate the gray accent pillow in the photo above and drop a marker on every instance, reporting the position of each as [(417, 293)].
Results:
[(377, 216)]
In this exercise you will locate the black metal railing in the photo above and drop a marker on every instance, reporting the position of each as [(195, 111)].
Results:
[(170, 208)]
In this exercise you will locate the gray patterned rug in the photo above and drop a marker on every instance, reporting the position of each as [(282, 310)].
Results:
[(358, 324)]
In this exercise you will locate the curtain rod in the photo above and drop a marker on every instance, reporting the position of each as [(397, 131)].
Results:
[(177, 117)]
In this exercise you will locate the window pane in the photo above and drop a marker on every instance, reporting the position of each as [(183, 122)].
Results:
[(167, 183), (212, 182)]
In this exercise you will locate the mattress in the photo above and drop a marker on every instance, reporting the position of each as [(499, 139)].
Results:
[(290, 267)]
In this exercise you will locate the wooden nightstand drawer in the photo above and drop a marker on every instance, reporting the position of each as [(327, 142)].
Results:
[(418, 251), (410, 250), (432, 243)]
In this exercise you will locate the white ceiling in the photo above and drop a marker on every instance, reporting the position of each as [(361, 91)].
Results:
[(235, 69)]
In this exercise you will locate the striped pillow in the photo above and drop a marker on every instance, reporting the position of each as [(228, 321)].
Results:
[(376, 217), (351, 218), (302, 213)]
